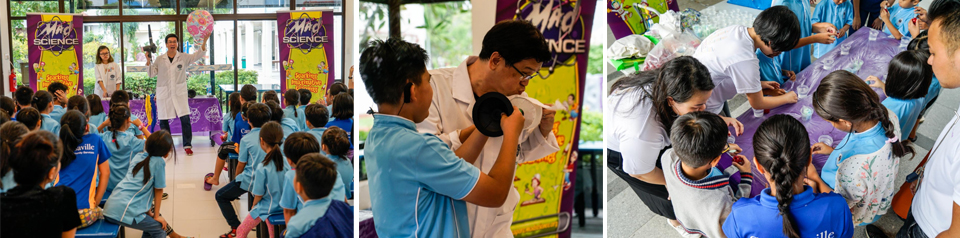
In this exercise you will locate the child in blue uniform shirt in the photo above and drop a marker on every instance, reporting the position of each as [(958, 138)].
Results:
[(908, 81), (122, 144), (416, 180), (121, 97), (59, 92), (251, 155), (336, 145), (240, 129), (297, 145), (770, 69), (97, 114), (79, 103), (322, 215), (23, 97), (85, 156), (43, 102), (136, 201), (289, 125), (228, 117), (292, 99), (342, 108), (896, 19), (12, 133), (305, 96), (317, 118), (267, 181), (30, 117), (840, 13), (788, 208)]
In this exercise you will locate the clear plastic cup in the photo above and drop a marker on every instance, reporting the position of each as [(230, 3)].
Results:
[(827, 63), (731, 139), (826, 139), (806, 112), (757, 113), (802, 91), (845, 49)]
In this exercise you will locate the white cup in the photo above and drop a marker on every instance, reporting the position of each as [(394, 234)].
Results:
[(826, 139), (802, 91), (758, 113)]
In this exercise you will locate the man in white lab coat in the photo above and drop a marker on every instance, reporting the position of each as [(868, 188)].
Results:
[(513, 52), (171, 89)]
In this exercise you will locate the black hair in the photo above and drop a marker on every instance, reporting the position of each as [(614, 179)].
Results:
[(843, 95), (42, 100), (12, 133), (29, 117), (292, 98), (257, 114), (317, 115), (778, 27), (698, 138), (515, 40), (337, 141), (316, 174), (782, 147), (158, 144), (276, 113), (679, 79), (36, 154), (920, 43), (942, 8), (57, 86), (8, 105), (299, 144), (4, 117), (119, 96), (387, 66), (79, 103), (96, 107), (24, 96), (949, 27), (337, 88), (165, 38), (72, 128), (909, 75), (271, 96), (248, 93), (272, 134), (234, 100), (342, 106), (119, 115), (305, 96)]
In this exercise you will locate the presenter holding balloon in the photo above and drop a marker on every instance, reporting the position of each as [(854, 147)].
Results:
[(171, 72)]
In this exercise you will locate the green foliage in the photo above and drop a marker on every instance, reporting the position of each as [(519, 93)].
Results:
[(448, 33), (595, 59), (89, 80), (200, 82), (591, 126)]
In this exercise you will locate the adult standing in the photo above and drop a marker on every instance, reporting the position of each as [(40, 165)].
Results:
[(512, 53), (107, 73), (171, 94), (935, 211)]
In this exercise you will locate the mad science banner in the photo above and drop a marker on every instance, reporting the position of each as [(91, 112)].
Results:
[(546, 184), (306, 50), (627, 17), (55, 51)]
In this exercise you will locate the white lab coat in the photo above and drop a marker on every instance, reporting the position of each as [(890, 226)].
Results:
[(452, 97), (109, 74), (171, 88)]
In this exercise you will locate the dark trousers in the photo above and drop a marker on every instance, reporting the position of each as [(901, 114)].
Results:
[(653, 195), (185, 129), (910, 228), (226, 194)]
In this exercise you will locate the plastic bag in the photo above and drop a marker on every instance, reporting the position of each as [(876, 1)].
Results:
[(629, 47), (683, 45)]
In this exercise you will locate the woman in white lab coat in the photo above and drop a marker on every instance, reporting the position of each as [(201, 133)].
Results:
[(107, 73), (171, 90)]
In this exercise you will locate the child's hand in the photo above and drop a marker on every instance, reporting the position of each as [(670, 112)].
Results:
[(856, 22), (735, 150), (790, 75), (513, 124), (737, 126), (843, 31), (743, 165), (821, 149), (770, 85), (223, 137), (878, 23), (913, 26), (163, 222), (876, 83), (825, 38), (791, 97), (884, 14), (821, 27), (921, 13)]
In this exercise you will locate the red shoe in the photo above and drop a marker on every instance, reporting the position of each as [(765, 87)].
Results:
[(230, 234), (189, 151)]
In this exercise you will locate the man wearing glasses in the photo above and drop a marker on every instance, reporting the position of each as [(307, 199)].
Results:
[(512, 54)]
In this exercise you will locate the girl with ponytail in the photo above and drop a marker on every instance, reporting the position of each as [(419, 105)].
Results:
[(84, 158), (797, 203), (267, 180), (122, 144), (12, 133), (873, 138), (43, 102), (136, 200), (336, 144)]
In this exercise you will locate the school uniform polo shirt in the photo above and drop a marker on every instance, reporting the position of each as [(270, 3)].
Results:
[(318, 133), (49, 124), (307, 217), (289, 126), (900, 17), (81, 175), (120, 157), (852, 144), (907, 110), (289, 199), (57, 112), (252, 155), (268, 183), (240, 128), (816, 215), (132, 198)]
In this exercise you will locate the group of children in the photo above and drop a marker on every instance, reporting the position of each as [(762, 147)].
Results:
[(70, 163)]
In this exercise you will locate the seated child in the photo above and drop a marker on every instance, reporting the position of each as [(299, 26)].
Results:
[(251, 155), (97, 114), (837, 12), (31, 118), (270, 96), (701, 194), (28, 207), (297, 145), (43, 102), (267, 180), (276, 114), (321, 216), (8, 105), (85, 165), (316, 115), (228, 117), (12, 133), (844, 100), (305, 96), (59, 92), (122, 97), (336, 144), (291, 99), (122, 144), (24, 99), (788, 208), (908, 81), (343, 114), (897, 18), (240, 128), (136, 201)]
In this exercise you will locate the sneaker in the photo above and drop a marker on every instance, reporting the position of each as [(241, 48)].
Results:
[(922, 118), (875, 232), (683, 233), (164, 196), (189, 151), (230, 234)]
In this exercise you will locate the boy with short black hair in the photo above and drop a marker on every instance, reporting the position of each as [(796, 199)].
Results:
[(897, 17), (59, 91), (322, 215), (23, 98), (251, 154), (700, 192), (317, 118)]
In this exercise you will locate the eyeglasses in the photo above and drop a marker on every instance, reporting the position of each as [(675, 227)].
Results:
[(104, 53), (525, 77)]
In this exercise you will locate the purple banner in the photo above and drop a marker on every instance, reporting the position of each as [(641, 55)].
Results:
[(625, 18), (55, 49), (306, 51), (205, 114)]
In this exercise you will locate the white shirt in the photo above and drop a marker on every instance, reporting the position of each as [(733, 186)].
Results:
[(940, 188), (634, 131), (109, 74), (730, 56), (449, 112), (171, 88)]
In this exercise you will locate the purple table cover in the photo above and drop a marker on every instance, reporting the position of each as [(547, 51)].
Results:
[(876, 56), (205, 115)]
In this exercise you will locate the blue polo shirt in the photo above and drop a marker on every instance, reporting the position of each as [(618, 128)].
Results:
[(933, 91), (49, 124), (57, 112), (289, 126), (852, 144), (816, 215), (770, 69), (318, 133), (337, 222), (290, 200), (227, 126), (344, 168), (120, 157), (132, 198), (268, 183), (419, 181), (81, 174), (296, 113), (346, 125), (907, 110), (308, 216), (836, 14), (798, 59), (240, 128), (99, 119), (252, 155), (900, 17)]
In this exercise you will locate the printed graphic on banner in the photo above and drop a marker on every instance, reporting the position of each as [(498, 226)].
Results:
[(305, 51), (630, 17), (546, 184), (54, 52)]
